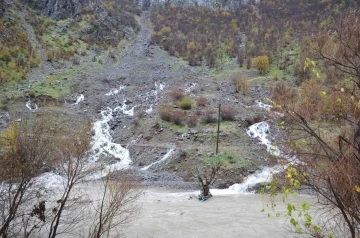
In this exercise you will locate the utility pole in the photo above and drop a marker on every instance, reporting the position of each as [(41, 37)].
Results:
[(218, 131)]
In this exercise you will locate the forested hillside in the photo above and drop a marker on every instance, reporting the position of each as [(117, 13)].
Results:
[(64, 33), (273, 28)]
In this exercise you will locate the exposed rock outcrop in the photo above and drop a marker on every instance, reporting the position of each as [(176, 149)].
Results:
[(61, 9), (2, 8)]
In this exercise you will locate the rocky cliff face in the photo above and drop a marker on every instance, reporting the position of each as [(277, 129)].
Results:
[(2, 8), (61, 9)]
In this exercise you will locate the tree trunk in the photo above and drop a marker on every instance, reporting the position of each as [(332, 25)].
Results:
[(206, 190)]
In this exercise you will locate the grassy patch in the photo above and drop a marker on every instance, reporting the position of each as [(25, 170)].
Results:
[(56, 86), (231, 158), (178, 128), (16, 54)]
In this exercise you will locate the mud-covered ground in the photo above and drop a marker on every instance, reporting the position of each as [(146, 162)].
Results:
[(143, 74)]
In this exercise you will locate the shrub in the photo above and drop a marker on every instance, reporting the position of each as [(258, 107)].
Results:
[(227, 113), (34, 61), (176, 94), (241, 83), (261, 63), (178, 117), (201, 101), (282, 94), (192, 120), (185, 103), (165, 112), (209, 116), (50, 55)]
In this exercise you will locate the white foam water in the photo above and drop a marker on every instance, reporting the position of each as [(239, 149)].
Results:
[(79, 99), (261, 132), (115, 91), (264, 105), (124, 109), (149, 110), (103, 145), (33, 107), (165, 157), (190, 87), (49, 180), (159, 87)]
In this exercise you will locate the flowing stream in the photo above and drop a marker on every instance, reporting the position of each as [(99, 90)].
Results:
[(260, 131), (165, 157), (103, 145), (79, 99), (33, 107)]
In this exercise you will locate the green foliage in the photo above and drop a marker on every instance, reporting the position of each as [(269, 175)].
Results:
[(261, 63), (195, 33), (269, 28), (185, 103), (16, 55), (298, 215), (217, 159), (241, 83)]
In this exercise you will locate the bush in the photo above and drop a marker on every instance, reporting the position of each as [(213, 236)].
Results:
[(209, 116), (227, 113), (201, 101), (282, 94), (176, 94), (50, 55), (178, 117), (261, 63), (165, 112), (241, 83), (192, 120), (185, 103)]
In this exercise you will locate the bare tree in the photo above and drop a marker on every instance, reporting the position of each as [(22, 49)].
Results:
[(331, 170), (207, 178), (30, 149), (340, 48), (26, 151), (72, 154), (117, 205), (329, 160)]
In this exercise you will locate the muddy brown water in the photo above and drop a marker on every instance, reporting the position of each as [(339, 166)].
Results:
[(169, 213), (179, 214)]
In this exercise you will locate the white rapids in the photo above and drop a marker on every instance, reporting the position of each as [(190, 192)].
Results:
[(33, 107), (103, 145), (165, 157), (124, 109), (115, 91), (261, 132), (79, 99), (260, 104)]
